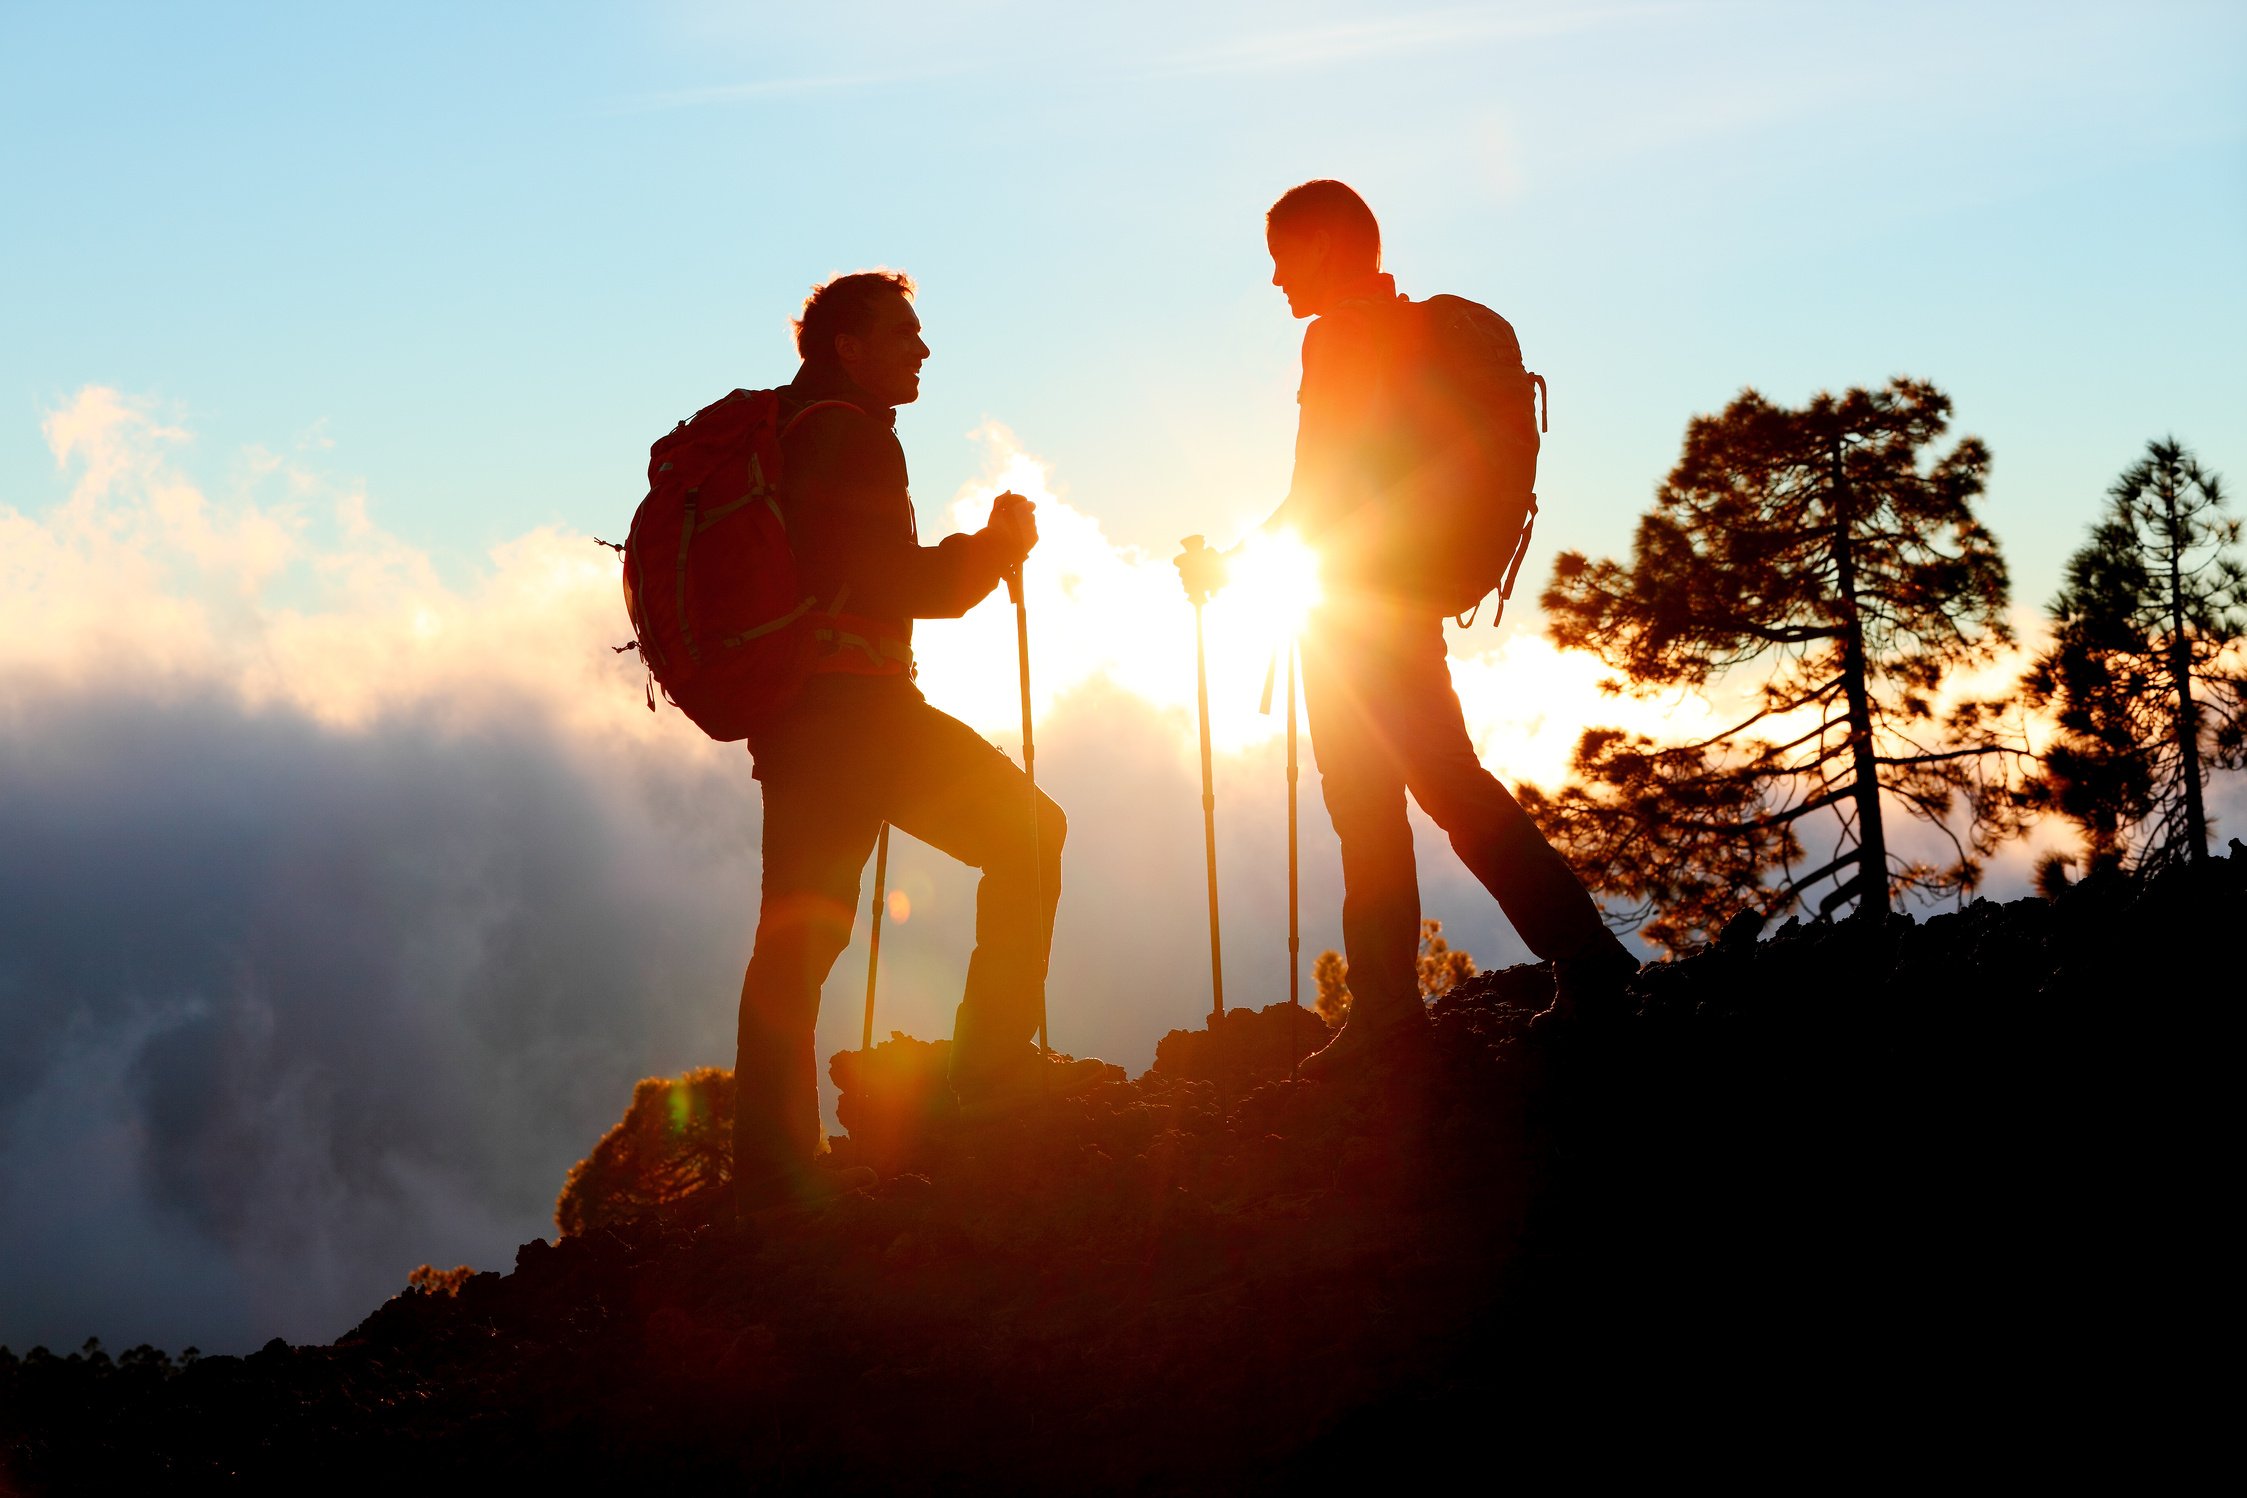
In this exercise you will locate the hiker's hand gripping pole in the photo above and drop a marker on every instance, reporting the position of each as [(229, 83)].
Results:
[(1192, 570), (1029, 760)]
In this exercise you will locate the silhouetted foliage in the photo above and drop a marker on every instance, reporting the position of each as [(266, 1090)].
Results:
[(1626, 789), (1831, 550), (674, 1142), (1440, 966), (1328, 976), (2050, 876), (2145, 674), (431, 1280)]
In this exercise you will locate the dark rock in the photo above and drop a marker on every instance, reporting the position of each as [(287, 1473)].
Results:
[(1859, 1162)]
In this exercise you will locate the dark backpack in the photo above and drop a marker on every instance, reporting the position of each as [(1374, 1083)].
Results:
[(1471, 422), (718, 611)]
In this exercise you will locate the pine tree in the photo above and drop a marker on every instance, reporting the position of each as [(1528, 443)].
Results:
[(1439, 965), (1831, 553), (674, 1142), (1330, 977), (2145, 675)]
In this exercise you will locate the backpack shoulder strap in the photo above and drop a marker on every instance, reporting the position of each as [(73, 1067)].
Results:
[(810, 406)]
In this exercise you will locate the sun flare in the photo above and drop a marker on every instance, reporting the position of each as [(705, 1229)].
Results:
[(1114, 614), (1272, 590)]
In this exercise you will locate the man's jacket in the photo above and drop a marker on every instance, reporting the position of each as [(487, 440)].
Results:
[(850, 516), (1348, 453)]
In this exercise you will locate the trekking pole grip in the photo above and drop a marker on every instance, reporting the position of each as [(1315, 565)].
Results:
[(1196, 592)]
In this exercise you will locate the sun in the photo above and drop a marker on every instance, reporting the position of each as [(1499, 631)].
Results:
[(1273, 586)]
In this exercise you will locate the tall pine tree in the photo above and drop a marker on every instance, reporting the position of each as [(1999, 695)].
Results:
[(2146, 676), (1830, 557)]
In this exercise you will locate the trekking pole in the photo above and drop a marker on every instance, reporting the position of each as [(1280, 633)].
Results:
[(1194, 545), (1294, 905), (874, 914), (1029, 765)]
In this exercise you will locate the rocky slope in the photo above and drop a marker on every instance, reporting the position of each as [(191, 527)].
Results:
[(1854, 1175)]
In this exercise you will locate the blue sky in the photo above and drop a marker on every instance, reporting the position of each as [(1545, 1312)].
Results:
[(346, 887), (489, 252)]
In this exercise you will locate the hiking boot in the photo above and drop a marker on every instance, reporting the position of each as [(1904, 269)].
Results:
[(1369, 1046), (1023, 1081), (1589, 989), (800, 1190)]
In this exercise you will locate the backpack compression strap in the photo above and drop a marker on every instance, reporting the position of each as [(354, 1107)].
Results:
[(854, 645), (1513, 568), (851, 644), (1542, 398)]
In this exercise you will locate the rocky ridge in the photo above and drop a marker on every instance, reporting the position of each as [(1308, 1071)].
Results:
[(1849, 1172)]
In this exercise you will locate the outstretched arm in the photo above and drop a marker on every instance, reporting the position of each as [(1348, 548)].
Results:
[(853, 517)]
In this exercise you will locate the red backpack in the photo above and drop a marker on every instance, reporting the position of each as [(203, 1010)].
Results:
[(719, 613)]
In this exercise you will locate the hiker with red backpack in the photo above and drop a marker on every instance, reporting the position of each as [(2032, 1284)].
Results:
[(773, 575), (1415, 461)]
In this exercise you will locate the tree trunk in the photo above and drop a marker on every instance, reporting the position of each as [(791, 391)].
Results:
[(1872, 844), (2180, 668)]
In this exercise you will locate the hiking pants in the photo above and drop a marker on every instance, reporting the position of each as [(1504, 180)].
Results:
[(1384, 721), (851, 753)]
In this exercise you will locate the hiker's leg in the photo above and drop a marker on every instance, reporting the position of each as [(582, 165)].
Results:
[(1363, 785), (959, 795), (1540, 894), (816, 838)]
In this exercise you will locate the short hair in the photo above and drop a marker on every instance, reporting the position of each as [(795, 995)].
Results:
[(1332, 206), (844, 305)]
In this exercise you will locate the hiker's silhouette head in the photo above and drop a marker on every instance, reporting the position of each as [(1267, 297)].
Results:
[(1323, 240), (864, 325)]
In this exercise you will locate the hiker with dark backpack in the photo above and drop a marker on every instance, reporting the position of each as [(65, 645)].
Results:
[(1415, 462), (774, 574)]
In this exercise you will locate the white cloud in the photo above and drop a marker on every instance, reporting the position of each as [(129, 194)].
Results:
[(303, 604)]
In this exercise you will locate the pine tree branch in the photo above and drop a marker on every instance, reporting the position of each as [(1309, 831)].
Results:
[(1776, 709), (1825, 725), (1792, 635), (1929, 759), (1782, 818)]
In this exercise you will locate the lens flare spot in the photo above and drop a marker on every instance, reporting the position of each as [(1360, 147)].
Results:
[(900, 906)]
